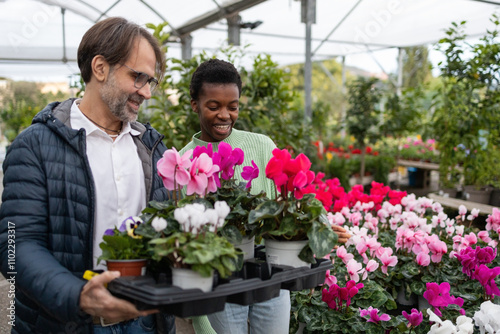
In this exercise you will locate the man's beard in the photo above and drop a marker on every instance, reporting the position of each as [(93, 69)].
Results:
[(116, 100)]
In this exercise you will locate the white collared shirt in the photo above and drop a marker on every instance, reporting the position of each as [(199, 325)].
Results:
[(120, 189)]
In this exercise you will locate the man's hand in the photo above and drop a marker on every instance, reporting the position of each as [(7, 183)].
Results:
[(342, 233), (96, 300)]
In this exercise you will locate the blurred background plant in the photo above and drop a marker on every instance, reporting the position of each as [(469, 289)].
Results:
[(19, 102)]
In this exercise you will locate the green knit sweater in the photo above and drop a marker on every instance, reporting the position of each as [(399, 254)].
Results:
[(256, 147)]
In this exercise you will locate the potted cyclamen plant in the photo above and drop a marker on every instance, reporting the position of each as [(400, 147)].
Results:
[(295, 218), (195, 250), (187, 237), (124, 250), (236, 194)]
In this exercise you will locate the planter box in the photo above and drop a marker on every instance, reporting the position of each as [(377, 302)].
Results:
[(256, 282)]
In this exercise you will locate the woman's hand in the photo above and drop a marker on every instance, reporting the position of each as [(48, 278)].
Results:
[(342, 233)]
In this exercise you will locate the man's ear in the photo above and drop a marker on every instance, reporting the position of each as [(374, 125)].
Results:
[(100, 68), (194, 106)]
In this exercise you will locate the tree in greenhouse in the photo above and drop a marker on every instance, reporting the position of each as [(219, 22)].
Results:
[(363, 114)]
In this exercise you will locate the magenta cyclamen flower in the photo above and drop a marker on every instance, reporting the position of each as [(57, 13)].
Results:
[(486, 277), (470, 258), (414, 318), (485, 255), (198, 150), (335, 296), (226, 158), (250, 173), (438, 296), (373, 314)]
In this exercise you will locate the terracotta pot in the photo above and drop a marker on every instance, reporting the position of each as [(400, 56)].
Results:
[(135, 267)]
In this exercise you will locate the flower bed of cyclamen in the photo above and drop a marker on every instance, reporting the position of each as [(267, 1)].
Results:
[(406, 245)]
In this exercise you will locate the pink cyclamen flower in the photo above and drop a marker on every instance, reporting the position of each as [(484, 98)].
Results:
[(371, 266), (250, 173), (354, 268), (484, 236), (344, 255), (473, 214), (493, 220), (423, 259), (202, 173), (330, 279), (387, 259), (336, 219), (462, 211), (173, 168), (437, 247), (414, 318), (373, 314)]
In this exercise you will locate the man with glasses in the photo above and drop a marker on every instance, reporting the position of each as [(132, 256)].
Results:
[(82, 167)]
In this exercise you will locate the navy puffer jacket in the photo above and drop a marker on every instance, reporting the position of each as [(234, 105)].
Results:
[(48, 201)]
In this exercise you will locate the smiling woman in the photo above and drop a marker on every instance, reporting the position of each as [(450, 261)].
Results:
[(217, 108), (215, 91)]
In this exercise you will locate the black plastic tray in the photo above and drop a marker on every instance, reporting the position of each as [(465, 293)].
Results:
[(256, 282)]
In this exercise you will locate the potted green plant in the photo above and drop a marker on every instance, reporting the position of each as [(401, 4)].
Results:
[(294, 217), (124, 250), (195, 250), (187, 237), (241, 201)]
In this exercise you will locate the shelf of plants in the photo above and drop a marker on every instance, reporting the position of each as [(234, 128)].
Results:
[(256, 282)]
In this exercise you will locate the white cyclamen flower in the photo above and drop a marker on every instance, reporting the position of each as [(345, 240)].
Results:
[(445, 327), (487, 318), (464, 325), (196, 208), (159, 224), (197, 219), (222, 209), (182, 216), (212, 218)]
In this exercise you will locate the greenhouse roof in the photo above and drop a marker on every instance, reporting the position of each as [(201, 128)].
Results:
[(33, 42)]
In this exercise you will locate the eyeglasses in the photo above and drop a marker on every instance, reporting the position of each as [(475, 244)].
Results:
[(142, 79)]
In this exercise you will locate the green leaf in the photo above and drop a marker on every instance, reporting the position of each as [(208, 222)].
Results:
[(268, 209), (322, 239), (232, 233)]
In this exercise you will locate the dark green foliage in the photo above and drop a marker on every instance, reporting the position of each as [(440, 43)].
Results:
[(467, 110)]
